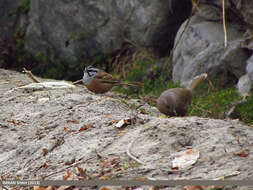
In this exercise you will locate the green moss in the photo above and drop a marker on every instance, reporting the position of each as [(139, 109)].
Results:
[(246, 111), (206, 102), (154, 83), (210, 103), (216, 104)]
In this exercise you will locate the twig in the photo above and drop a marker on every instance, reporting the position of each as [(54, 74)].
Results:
[(30, 75), (211, 84), (78, 81), (73, 165), (224, 24), (131, 155), (195, 4), (98, 155), (235, 173), (231, 110)]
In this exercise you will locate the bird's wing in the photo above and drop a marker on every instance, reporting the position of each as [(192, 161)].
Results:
[(105, 77)]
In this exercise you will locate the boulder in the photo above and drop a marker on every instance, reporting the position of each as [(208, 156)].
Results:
[(68, 30), (245, 83), (201, 48)]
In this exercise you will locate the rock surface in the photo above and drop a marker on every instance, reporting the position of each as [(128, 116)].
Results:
[(45, 132)]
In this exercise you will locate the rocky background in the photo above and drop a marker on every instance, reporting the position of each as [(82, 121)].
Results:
[(45, 132)]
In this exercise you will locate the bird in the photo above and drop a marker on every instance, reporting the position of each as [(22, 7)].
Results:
[(99, 81), (175, 101)]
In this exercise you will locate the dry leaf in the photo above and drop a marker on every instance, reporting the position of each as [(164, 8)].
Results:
[(195, 187), (141, 178), (37, 136), (106, 177), (108, 116), (85, 127), (104, 188), (39, 188), (128, 121), (67, 176), (73, 121), (45, 165), (42, 188), (110, 163), (170, 124), (82, 173), (120, 124), (124, 122), (175, 168), (243, 154), (44, 151), (186, 158), (62, 187)]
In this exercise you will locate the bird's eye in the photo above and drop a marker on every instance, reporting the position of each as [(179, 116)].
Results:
[(92, 72)]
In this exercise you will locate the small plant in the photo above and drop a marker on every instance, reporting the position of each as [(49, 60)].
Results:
[(24, 7)]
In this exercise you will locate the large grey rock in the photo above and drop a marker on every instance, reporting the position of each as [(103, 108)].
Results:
[(245, 83), (249, 68), (68, 30), (201, 48)]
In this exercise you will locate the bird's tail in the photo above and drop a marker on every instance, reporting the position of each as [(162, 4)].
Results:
[(131, 83), (118, 82)]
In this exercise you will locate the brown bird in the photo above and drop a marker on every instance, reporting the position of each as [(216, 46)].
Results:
[(99, 81), (175, 101)]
